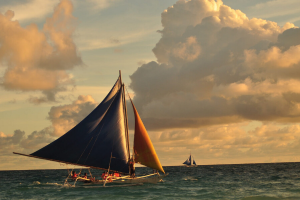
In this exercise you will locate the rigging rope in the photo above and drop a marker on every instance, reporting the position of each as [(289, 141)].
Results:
[(69, 173)]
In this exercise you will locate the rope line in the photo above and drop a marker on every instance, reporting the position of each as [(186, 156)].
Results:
[(69, 173)]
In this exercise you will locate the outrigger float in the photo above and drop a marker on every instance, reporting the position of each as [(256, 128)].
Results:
[(101, 141)]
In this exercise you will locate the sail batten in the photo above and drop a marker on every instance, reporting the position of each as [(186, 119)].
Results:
[(144, 151)]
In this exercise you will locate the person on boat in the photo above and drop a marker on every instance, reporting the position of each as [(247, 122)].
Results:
[(132, 168), (74, 175), (104, 175), (85, 176), (116, 174)]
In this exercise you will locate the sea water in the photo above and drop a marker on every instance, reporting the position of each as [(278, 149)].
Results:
[(247, 182)]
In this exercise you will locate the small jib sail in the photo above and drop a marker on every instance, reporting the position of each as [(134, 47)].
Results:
[(190, 161), (101, 140)]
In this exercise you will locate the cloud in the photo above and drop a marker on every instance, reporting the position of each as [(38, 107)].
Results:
[(231, 142), (141, 62), (10, 143), (275, 8), (38, 139), (115, 41), (274, 57), (102, 4), (94, 41), (187, 51), (216, 66), (118, 50), (13, 101), (49, 95), (18, 142), (7, 140), (38, 60), (24, 10), (65, 117)]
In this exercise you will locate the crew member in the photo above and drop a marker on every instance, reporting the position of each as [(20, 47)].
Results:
[(74, 175), (132, 168)]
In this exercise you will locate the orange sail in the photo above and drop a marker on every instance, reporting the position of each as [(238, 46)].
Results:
[(143, 149)]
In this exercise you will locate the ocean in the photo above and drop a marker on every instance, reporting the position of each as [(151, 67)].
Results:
[(240, 181)]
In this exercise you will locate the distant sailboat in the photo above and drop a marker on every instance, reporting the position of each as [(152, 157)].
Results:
[(101, 141), (189, 161)]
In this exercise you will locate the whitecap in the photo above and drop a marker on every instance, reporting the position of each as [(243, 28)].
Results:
[(189, 178), (36, 183), (56, 184)]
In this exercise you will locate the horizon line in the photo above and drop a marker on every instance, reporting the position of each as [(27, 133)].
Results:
[(163, 166)]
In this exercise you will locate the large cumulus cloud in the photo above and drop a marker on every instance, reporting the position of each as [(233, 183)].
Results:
[(37, 60), (216, 66)]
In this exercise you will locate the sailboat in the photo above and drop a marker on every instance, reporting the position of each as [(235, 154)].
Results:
[(101, 141), (189, 162)]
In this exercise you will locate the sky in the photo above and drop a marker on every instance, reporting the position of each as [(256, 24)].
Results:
[(218, 79)]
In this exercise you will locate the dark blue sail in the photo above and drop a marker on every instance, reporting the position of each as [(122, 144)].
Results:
[(98, 141), (194, 162)]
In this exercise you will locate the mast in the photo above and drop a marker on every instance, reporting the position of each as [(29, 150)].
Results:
[(125, 117)]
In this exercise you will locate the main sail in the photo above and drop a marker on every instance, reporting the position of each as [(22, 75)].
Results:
[(144, 151), (188, 161), (98, 141)]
